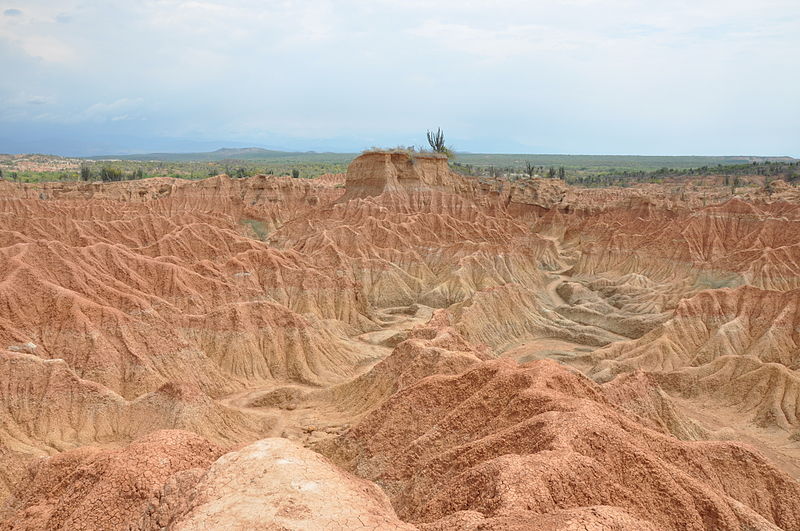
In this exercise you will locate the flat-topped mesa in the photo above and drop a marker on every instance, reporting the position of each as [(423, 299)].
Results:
[(399, 172)]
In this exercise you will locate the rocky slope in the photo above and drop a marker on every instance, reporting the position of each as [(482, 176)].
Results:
[(178, 353)]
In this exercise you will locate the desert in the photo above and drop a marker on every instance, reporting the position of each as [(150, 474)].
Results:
[(333, 265), (431, 350)]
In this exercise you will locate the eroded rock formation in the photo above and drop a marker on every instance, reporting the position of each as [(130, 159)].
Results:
[(178, 354)]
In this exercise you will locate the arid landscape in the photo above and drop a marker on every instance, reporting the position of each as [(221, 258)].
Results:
[(399, 347)]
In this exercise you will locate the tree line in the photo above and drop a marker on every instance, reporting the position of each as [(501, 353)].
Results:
[(109, 174)]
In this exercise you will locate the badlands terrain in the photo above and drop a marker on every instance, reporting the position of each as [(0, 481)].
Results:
[(399, 347)]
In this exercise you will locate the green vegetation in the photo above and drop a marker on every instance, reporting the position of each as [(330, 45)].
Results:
[(581, 170), (599, 175), (235, 154), (113, 170), (732, 174), (601, 163), (259, 228)]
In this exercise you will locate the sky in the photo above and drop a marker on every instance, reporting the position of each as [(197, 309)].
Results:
[(699, 77)]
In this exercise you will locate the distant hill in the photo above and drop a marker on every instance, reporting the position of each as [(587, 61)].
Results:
[(251, 153)]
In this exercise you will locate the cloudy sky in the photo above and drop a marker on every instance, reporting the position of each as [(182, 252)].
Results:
[(571, 76)]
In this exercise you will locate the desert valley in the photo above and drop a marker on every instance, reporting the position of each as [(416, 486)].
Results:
[(398, 347)]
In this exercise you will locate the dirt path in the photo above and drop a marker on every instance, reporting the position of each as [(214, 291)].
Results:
[(551, 290)]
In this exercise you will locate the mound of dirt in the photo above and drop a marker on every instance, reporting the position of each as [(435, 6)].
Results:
[(429, 349), (270, 484), (93, 488), (539, 442)]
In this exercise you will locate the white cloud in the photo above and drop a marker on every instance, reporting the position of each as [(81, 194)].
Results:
[(322, 68), (500, 44), (110, 111), (39, 100), (47, 48)]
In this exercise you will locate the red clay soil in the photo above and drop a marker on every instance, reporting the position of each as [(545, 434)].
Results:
[(519, 442), (378, 318), (91, 488)]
